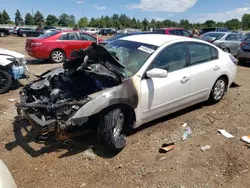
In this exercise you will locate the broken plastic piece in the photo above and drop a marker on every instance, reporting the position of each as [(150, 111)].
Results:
[(184, 125), (186, 134), (205, 148), (166, 148), (246, 139), (11, 100), (225, 133)]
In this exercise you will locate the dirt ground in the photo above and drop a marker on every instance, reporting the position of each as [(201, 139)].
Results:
[(84, 162)]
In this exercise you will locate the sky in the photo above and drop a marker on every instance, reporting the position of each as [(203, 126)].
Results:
[(193, 10)]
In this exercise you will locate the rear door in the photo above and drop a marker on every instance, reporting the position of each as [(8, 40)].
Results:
[(86, 40), (233, 43), (204, 70), (70, 42)]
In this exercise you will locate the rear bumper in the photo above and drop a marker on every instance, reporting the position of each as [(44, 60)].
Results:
[(36, 53)]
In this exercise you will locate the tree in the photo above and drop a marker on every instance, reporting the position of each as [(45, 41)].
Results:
[(246, 21), (38, 19), (210, 23), (28, 19), (1, 18), (72, 21), (145, 24), (51, 20), (83, 22), (233, 24), (66, 20), (5, 17), (184, 23), (18, 18), (153, 24), (220, 24)]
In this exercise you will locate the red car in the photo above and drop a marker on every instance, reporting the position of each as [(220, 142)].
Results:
[(174, 31), (58, 45)]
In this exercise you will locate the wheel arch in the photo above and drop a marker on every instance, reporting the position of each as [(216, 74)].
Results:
[(225, 76)]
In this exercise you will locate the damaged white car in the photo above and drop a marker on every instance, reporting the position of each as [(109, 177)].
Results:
[(12, 68), (126, 83)]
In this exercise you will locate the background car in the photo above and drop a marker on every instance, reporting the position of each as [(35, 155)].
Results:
[(4, 32), (28, 32), (174, 31), (215, 29), (92, 31), (107, 31), (243, 54), (228, 42), (58, 45)]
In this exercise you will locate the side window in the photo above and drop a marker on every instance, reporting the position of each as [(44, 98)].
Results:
[(199, 53), (214, 53), (69, 36), (87, 37), (171, 58), (232, 37), (176, 32), (186, 33)]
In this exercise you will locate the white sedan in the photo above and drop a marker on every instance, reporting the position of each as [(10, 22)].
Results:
[(134, 80)]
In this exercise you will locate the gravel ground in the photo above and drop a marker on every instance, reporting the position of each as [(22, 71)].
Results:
[(84, 162)]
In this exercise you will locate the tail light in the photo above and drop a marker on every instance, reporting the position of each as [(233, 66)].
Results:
[(243, 43), (233, 59)]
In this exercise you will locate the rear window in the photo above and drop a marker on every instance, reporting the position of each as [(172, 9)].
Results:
[(159, 31), (49, 34), (214, 35), (176, 32)]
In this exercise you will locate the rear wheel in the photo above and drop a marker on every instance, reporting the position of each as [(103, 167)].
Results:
[(5, 81), (218, 90), (111, 125), (24, 35), (2, 34), (57, 56)]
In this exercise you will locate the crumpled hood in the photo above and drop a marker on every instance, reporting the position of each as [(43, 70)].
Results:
[(7, 55)]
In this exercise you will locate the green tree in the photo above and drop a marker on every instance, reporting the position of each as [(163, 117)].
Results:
[(1, 18), (153, 24), (18, 18), (29, 19), (51, 20), (145, 24), (220, 24), (246, 21), (233, 24), (184, 23), (83, 22), (72, 21), (210, 23), (5, 17), (64, 20), (38, 19)]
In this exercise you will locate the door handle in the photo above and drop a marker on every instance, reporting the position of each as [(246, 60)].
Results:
[(184, 80), (216, 68)]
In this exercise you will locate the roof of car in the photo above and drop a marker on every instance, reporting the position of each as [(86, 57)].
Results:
[(153, 39)]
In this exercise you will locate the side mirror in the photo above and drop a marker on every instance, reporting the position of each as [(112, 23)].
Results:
[(157, 73)]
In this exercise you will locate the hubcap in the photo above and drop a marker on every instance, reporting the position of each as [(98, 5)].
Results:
[(219, 89), (119, 125), (58, 56), (3, 80)]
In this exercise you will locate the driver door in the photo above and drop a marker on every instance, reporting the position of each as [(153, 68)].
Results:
[(161, 96)]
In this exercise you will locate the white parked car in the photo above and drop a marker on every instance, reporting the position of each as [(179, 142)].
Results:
[(12, 67), (128, 82), (92, 31)]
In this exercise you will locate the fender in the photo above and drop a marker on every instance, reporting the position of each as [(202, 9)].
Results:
[(124, 93)]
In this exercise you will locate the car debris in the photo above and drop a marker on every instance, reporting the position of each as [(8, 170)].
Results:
[(187, 133), (6, 179), (246, 139), (205, 148), (11, 100), (184, 125), (225, 133), (166, 148)]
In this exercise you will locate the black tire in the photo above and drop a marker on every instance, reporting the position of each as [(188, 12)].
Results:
[(60, 56), (5, 81), (110, 130), (2, 34), (218, 91)]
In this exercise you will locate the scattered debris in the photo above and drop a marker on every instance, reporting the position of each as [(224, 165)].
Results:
[(234, 85), (166, 148), (211, 118), (11, 100), (186, 134), (225, 133), (184, 125), (83, 185), (88, 154), (246, 139), (205, 148), (119, 166)]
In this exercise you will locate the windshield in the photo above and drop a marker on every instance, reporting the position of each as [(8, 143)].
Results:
[(214, 35), (130, 54), (48, 34)]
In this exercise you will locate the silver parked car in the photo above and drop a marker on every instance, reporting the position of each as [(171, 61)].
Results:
[(227, 41), (243, 54)]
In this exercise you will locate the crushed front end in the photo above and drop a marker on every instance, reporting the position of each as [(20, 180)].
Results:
[(50, 102)]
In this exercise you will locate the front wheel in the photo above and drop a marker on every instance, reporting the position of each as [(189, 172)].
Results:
[(2, 34), (218, 90), (5, 81), (111, 127), (57, 56), (24, 35)]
